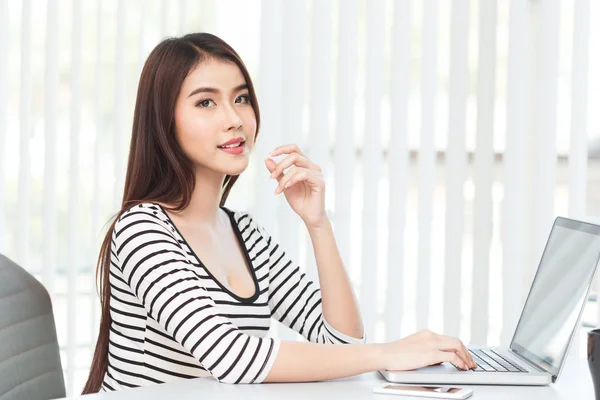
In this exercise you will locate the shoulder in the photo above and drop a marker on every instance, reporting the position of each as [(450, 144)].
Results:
[(141, 217), (245, 220), (241, 218)]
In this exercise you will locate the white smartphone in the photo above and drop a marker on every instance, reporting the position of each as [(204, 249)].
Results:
[(434, 392)]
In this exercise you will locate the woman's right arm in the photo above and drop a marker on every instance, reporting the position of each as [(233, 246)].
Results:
[(306, 362)]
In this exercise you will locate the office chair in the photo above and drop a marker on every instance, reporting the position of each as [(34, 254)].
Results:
[(30, 365)]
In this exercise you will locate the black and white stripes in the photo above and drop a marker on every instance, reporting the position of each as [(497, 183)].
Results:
[(172, 319)]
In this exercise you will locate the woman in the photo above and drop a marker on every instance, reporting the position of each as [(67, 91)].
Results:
[(188, 287)]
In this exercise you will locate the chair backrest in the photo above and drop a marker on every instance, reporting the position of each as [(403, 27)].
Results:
[(30, 365)]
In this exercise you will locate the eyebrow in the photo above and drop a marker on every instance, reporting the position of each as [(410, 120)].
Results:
[(214, 90)]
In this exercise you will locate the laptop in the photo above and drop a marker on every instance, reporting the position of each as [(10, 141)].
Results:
[(548, 321)]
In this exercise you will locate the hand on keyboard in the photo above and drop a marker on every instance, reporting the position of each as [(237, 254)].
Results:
[(460, 369), (423, 349), (490, 361)]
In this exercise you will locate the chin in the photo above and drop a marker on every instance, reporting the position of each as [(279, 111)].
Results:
[(236, 169), (232, 172)]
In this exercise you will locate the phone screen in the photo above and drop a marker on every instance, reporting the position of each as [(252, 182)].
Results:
[(438, 389)]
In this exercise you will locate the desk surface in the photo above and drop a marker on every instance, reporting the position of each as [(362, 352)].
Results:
[(574, 383)]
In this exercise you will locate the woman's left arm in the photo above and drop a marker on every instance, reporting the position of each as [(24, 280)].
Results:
[(340, 307), (304, 189)]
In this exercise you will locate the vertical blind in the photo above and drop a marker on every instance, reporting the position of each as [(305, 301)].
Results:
[(449, 133)]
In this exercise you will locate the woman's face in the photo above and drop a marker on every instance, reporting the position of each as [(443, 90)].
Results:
[(213, 109)]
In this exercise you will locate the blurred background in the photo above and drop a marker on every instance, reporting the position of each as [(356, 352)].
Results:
[(451, 133)]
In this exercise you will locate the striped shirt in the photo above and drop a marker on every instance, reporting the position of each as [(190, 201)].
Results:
[(172, 319)]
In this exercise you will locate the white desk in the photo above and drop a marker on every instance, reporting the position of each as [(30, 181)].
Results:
[(574, 383)]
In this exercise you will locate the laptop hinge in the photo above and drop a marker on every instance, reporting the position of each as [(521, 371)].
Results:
[(531, 363)]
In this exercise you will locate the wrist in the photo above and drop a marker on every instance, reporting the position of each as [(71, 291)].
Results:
[(318, 225), (377, 356)]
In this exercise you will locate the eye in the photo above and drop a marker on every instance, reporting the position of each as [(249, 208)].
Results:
[(243, 99), (205, 103)]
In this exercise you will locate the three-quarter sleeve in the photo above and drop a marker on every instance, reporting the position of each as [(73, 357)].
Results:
[(295, 301)]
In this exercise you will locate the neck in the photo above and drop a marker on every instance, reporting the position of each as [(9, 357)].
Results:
[(206, 198)]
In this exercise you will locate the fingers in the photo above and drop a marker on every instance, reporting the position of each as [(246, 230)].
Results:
[(295, 175), (271, 164), (452, 344), (451, 357), (286, 149), (293, 159), (470, 360)]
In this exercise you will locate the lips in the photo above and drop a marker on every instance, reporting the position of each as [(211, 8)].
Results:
[(231, 146), (235, 142), (234, 149)]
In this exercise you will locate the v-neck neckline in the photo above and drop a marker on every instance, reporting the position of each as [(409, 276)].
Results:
[(242, 244)]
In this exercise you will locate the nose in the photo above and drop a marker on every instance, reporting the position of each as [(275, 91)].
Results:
[(232, 119)]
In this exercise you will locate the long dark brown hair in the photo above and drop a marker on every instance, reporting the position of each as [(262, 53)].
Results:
[(158, 169)]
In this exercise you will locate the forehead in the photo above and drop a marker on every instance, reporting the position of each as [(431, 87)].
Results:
[(221, 75)]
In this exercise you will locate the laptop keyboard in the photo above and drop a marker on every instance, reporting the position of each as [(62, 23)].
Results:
[(489, 361)]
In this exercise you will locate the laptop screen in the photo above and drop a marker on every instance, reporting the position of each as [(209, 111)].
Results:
[(557, 294)]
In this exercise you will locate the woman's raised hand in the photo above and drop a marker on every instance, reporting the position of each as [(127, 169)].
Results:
[(303, 184)]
